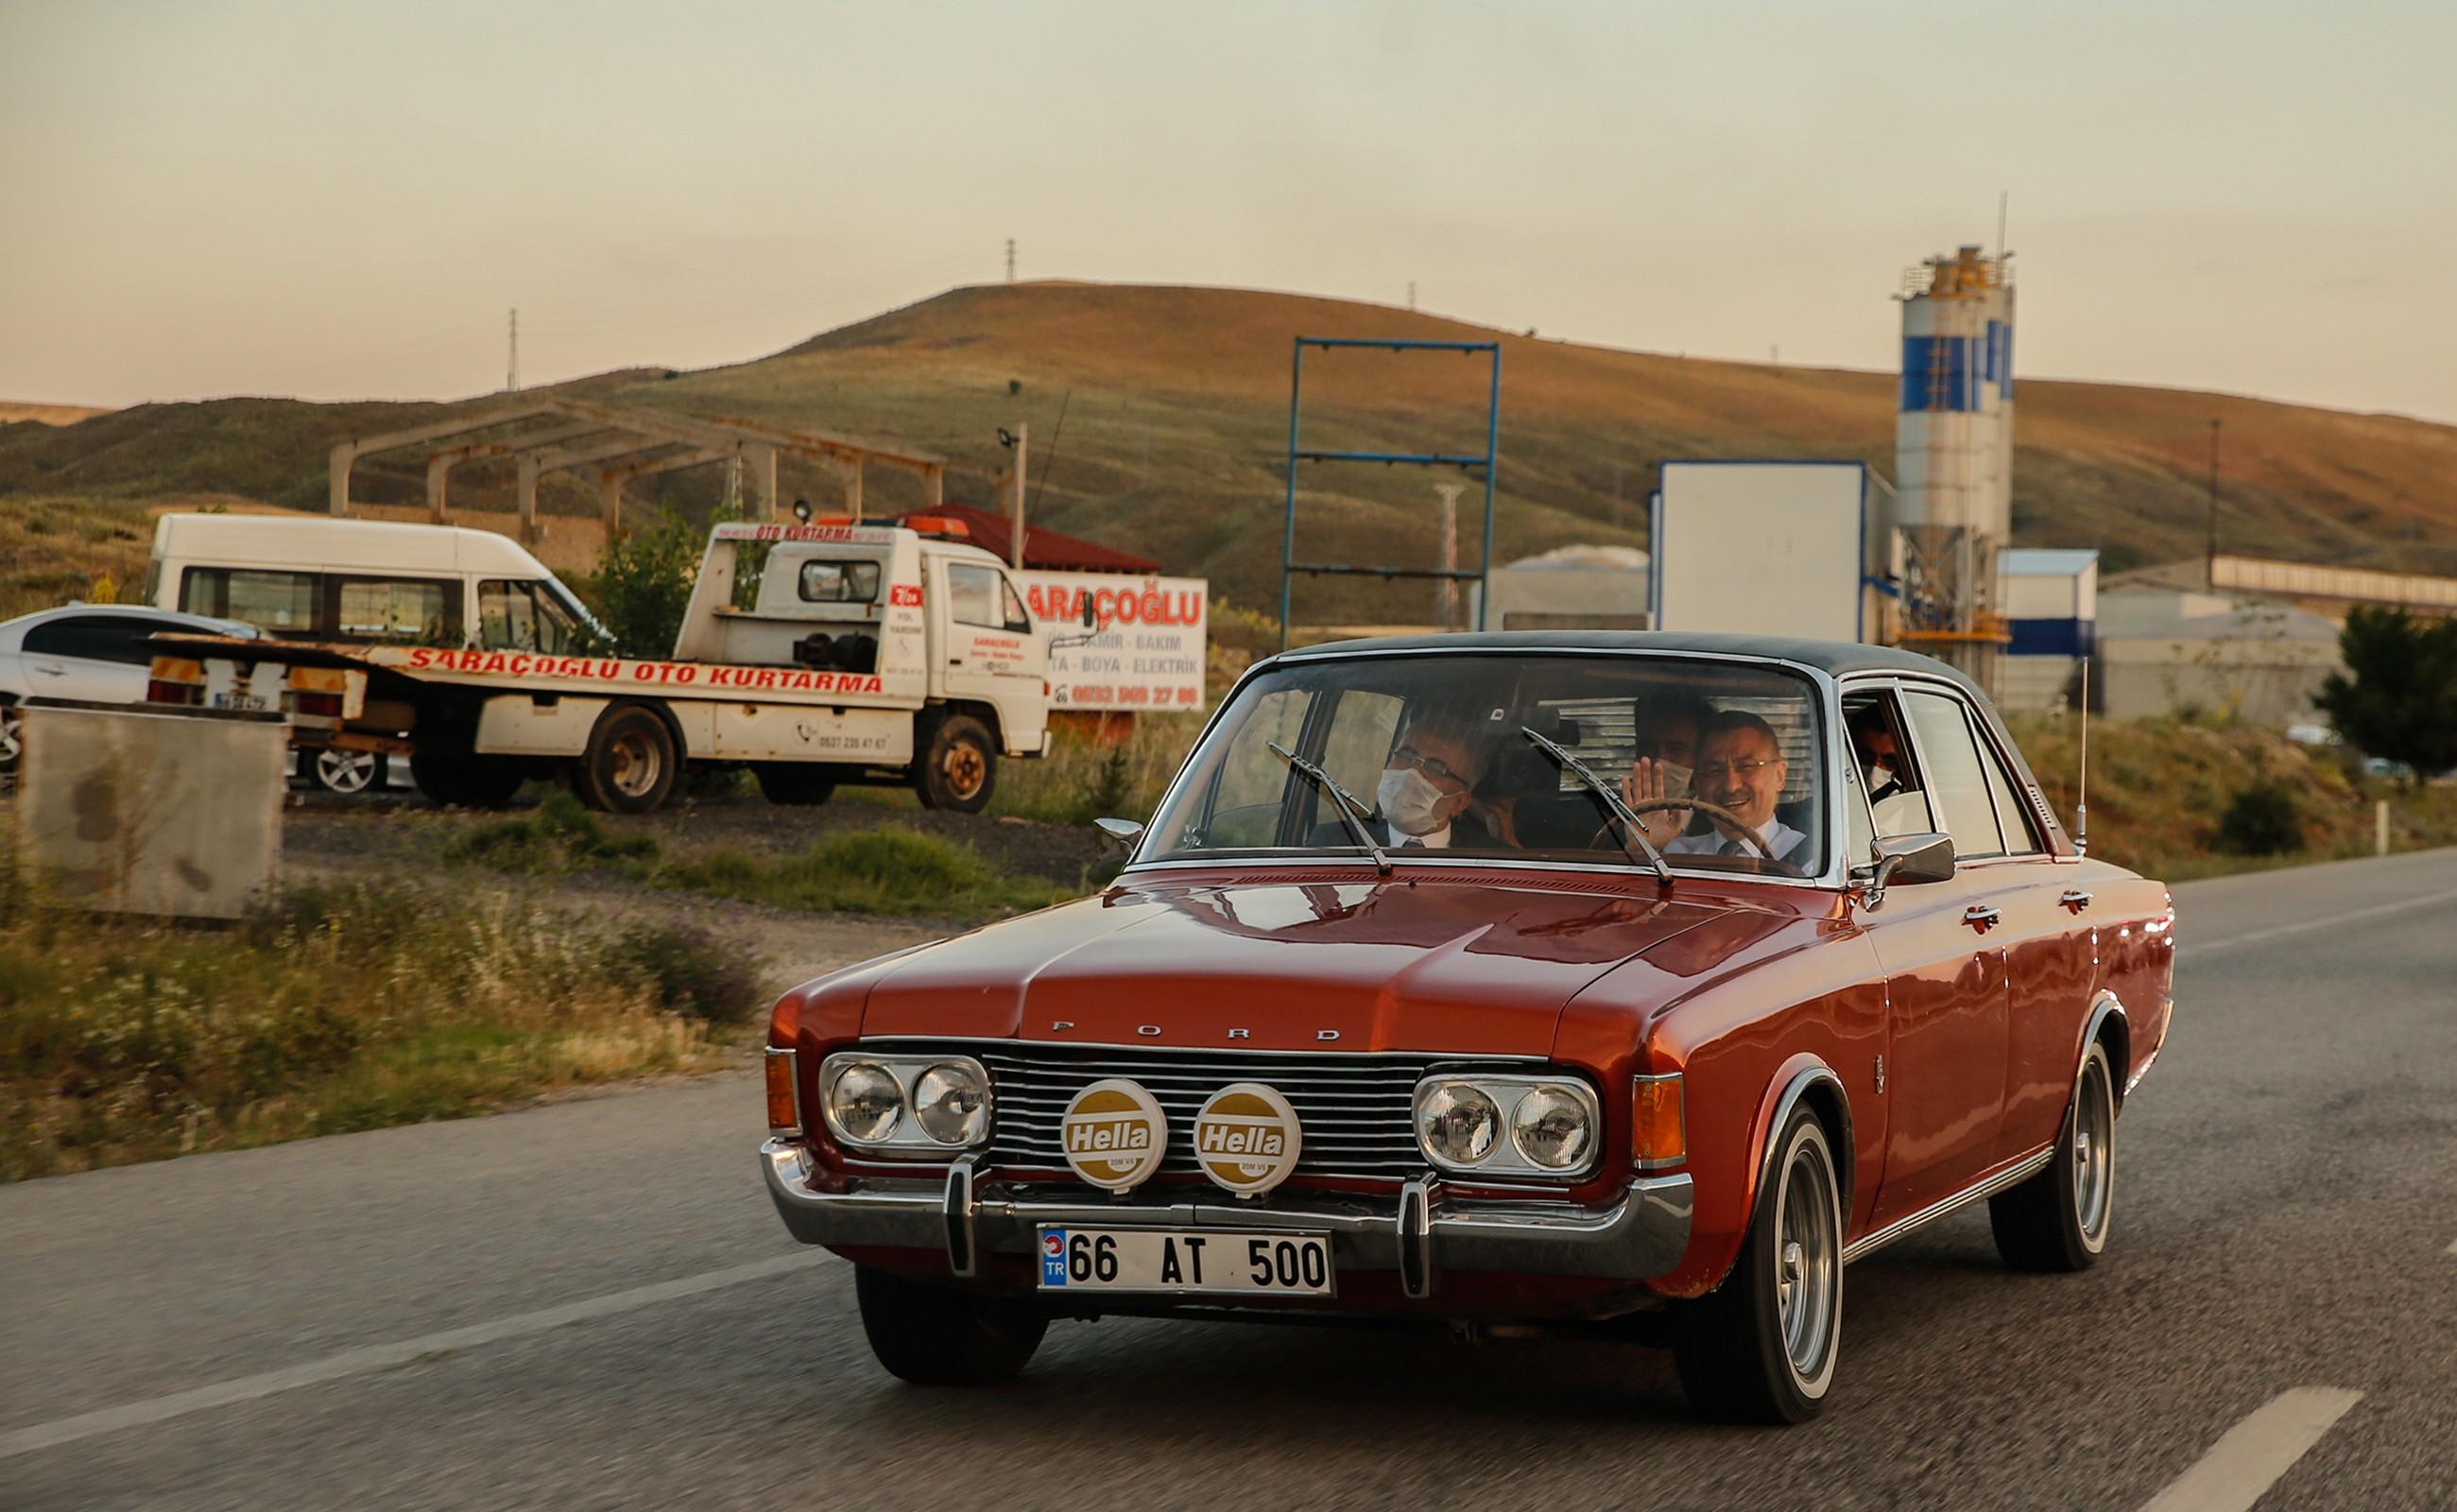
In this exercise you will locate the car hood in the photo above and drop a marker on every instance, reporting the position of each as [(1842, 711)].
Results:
[(1286, 962)]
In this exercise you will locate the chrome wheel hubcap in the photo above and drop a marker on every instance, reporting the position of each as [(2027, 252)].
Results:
[(1808, 1263), (2093, 1154)]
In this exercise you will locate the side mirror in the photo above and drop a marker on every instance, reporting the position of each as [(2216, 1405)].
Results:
[(1904, 858), (1119, 832), (1091, 614)]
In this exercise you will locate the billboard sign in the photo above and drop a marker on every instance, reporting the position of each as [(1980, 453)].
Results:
[(1148, 646)]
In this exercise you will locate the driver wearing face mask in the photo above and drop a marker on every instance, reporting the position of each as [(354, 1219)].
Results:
[(1422, 797)]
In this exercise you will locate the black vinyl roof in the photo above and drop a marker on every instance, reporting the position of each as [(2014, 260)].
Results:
[(1836, 658)]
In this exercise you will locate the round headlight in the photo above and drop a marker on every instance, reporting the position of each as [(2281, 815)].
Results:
[(953, 1103), (864, 1102), (1458, 1123), (1551, 1127)]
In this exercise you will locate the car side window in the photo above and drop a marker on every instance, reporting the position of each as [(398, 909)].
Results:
[(514, 614), (1956, 782), (1247, 789), (97, 637), (1881, 750), (2021, 836), (839, 582), (1011, 604), (973, 596)]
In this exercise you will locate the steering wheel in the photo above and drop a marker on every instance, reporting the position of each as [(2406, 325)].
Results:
[(1713, 811)]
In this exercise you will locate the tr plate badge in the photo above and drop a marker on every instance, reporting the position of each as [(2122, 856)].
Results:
[(1247, 1138), (1114, 1134)]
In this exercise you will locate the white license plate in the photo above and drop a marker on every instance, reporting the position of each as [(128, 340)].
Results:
[(1184, 1260), (240, 700)]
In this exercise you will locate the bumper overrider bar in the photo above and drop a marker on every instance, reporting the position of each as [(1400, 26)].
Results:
[(1419, 1232)]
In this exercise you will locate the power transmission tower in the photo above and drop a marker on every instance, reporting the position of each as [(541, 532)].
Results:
[(1010, 260), (1448, 596), (513, 359), (1411, 296)]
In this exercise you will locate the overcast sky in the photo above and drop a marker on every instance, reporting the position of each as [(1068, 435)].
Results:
[(340, 199)]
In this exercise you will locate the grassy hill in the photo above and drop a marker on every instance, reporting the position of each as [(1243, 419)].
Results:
[(1175, 405)]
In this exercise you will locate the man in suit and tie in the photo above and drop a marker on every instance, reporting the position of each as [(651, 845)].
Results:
[(1741, 767), (1422, 801)]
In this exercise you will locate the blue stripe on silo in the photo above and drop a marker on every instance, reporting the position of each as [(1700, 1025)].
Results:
[(2048, 637), (1939, 373), (2005, 378)]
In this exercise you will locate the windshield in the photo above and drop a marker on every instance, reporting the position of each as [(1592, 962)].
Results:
[(1479, 755)]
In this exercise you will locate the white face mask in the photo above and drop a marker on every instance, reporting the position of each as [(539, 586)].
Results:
[(1406, 799)]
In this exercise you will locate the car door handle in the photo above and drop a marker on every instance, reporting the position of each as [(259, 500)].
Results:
[(51, 671), (1980, 916), (2075, 899)]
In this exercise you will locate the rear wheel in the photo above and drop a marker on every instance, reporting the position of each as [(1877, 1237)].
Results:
[(934, 1337), (630, 763), (2059, 1220), (1761, 1347), (957, 767), (796, 783), (13, 737), (338, 770)]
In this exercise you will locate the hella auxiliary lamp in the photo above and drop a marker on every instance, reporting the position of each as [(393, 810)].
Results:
[(908, 1106)]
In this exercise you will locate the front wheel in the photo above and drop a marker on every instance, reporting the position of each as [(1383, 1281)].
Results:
[(957, 767), (1761, 1347), (934, 1337), (2059, 1220)]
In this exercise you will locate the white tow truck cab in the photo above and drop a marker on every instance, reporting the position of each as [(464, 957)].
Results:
[(815, 654)]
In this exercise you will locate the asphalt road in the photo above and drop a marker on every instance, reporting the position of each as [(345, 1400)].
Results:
[(593, 1305)]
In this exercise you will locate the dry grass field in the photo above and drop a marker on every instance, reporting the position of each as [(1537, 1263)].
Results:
[(1175, 418)]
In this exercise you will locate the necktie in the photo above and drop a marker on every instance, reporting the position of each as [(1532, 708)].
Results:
[(1735, 848)]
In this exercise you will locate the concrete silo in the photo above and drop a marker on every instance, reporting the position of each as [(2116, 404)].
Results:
[(1953, 456)]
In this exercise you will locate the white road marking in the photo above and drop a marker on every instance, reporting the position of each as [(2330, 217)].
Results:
[(2249, 1457), (2302, 926), (381, 1357)]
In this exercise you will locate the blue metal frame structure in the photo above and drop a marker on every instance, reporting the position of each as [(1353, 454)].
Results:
[(1290, 567)]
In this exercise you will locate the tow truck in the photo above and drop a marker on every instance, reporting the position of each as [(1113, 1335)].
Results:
[(817, 655)]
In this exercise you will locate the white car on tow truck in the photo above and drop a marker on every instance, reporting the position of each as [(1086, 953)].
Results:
[(816, 654)]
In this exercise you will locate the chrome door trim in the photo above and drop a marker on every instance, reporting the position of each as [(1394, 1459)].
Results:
[(2012, 1176)]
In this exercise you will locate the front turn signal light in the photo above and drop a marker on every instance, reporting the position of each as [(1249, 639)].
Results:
[(784, 1099), (1658, 1126)]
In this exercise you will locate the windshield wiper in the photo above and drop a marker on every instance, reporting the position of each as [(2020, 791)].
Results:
[(1629, 827), (1346, 802)]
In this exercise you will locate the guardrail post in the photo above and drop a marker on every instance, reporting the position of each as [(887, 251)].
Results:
[(2380, 827)]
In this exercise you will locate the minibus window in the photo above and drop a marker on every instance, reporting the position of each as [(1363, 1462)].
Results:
[(518, 615), (408, 611), (281, 603)]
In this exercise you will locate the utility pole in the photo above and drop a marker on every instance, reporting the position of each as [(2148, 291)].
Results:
[(2214, 501), (512, 361), (1411, 296), (1010, 260), (1449, 596), (1015, 442)]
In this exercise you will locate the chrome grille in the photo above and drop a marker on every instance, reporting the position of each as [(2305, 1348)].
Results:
[(1357, 1107)]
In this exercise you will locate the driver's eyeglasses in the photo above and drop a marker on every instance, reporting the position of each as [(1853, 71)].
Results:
[(1733, 769), (1431, 766)]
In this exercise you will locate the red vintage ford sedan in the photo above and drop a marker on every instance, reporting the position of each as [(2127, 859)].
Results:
[(1625, 983)]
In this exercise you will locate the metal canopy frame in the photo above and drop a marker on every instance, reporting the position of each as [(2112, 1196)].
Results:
[(619, 445), (1488, 461)]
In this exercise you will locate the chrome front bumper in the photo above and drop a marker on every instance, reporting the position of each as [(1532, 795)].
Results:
[(1419, 1233)]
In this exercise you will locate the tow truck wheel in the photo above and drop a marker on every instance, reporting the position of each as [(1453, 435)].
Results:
[(958, 767), (800, 783), (934, 1337), (630, 763)]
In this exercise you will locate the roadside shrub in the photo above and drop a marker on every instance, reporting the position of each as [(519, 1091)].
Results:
[(330, 1009), (2264, 819), (560, 836), (693, 973), (887, 870), (643, 584)]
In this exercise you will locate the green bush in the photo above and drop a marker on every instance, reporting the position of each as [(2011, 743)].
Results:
[(694, 973), (2262, 820), (560, 836), (643, 584)]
